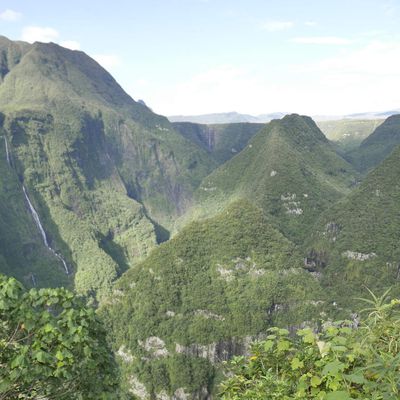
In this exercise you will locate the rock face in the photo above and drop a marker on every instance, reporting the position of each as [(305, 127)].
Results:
[(353, 255), (155, 347), (221, 351)]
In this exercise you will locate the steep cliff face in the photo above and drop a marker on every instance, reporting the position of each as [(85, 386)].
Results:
[(105, 174), (23, 253)]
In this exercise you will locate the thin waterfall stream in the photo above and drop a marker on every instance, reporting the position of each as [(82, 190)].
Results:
[(36, 218), (7, 152), (42, 231)]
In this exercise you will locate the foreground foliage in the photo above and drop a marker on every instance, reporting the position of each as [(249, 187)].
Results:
[(338, 363), (51, 346)]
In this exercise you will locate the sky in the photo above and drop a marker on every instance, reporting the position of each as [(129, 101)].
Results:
[(190, 57)]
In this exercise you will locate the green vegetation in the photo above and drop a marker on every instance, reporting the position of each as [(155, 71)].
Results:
[(280, 233), (337, 363), (355, 242), (51, 346), (106, 175), (376, 147), (203, 292), (222, 141), (22, 252), (348, 133), (289, 169)]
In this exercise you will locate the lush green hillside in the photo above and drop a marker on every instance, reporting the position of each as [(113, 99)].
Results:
[(23, 253), (289, 169), (355, 243), (376, 147), (105, 174), (348, 133), (197, 299), (222, 141)]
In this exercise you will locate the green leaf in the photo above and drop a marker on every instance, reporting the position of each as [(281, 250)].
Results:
[(268, 344), (41, 356), (356, 378), (333, 368), (315, 381), (339, 395), (296, 364), (283, 345)]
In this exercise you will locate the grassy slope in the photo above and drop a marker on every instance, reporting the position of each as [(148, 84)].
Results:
[(183, 276), (376, 147), (287, 167)]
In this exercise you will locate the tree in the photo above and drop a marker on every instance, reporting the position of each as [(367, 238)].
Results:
[(340, 362), (51, 346)]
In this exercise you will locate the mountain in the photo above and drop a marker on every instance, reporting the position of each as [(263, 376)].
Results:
[(221, 141), (355, 243), (105, 175), (289, 169), (348, 133), (376, 147), (199, 298), (225, 118)]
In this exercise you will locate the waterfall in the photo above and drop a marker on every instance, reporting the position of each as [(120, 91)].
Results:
[(33, 280), (7, 152), (42, 232), (36, 218)]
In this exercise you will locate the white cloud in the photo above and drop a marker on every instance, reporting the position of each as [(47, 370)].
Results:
[(275, 26), (107, 61), (364, 79), (10, 15), (377, 58), (220, 89), (310, 23), (356, 80), (39, 34), (70, 44), (328, 40)]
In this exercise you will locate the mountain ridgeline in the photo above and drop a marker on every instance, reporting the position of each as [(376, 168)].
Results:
[(289, 169), (191, 240), (105, 174)]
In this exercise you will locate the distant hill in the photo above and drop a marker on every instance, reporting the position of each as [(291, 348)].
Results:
[(235, 117), (348, 133), (225, 118), (377, 146), (289, 169), (222, 141)]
